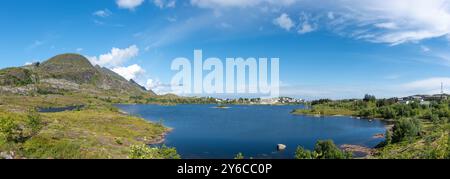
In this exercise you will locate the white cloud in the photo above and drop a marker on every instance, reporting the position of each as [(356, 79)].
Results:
[(130, 72), (331, 15), (151, 84), (129, 4), (79, 49), (387, 25), (159, 3), (425, 48), (103, 13), (116, 57), (427, 86), (171, 4), (382, 21), (306, 26), (284, 21), (158, 87), (395, 21)]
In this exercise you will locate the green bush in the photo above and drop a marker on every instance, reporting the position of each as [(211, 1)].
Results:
[(239, 156), (34, 122), (145, 152), (45, 148), (388, 136), (406, 129), (323, 150), (328, 150), (302, 153), (9, 130)]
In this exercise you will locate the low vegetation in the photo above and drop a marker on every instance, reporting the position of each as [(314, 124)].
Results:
[(145, 152), (419, 130), (323, 150), (98, 130)]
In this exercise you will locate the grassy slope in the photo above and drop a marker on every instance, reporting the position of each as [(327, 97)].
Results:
[(98, 131), (433, 144)]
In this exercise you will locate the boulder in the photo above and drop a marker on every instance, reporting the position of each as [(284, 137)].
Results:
[(281, 147)]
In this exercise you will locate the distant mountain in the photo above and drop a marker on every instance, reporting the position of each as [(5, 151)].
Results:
[(67, 73)]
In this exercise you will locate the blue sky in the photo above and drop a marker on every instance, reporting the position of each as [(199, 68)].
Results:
[(332, 49)]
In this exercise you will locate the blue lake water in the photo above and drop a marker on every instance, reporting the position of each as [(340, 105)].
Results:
[(203, 132)]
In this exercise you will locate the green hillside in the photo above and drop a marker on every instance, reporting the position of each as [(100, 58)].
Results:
[(67, 73)]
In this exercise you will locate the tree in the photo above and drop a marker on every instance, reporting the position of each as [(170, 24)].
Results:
[(302, 153), (369, 98), (328, 150), (321, 101), (406, 128), (323, 150), (168, 153), (145, 152)]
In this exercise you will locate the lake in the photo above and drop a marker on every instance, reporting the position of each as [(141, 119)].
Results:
[(204, 132)]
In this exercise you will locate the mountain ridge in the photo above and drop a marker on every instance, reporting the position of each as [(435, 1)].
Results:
[(67, 73)]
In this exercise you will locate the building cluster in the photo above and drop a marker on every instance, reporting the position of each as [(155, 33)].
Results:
[(423, 99), (268, 101)]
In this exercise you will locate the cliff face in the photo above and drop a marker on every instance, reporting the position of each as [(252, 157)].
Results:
[(66, 73)]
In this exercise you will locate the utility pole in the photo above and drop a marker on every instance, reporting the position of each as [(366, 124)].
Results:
[(442, 88)]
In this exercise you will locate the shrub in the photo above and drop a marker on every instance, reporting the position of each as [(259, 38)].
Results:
[(406, 128), (168, 153), (323, 150), (145, 152), (45, 148), (9, 130), (34, 122), (328, 150), (369, 98), (388, 136), (302, 153), (239, 156)]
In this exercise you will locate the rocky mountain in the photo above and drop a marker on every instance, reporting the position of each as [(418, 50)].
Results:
[(66, 73)]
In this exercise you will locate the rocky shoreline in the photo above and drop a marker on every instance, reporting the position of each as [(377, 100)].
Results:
[(358, 149)]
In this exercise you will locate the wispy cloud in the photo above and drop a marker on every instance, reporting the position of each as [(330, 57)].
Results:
[(102, 13), (383, 21), (426, 86), (35, 44), (165, 3), (306, 24)]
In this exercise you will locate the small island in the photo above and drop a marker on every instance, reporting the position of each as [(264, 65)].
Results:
[(222, 106)]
